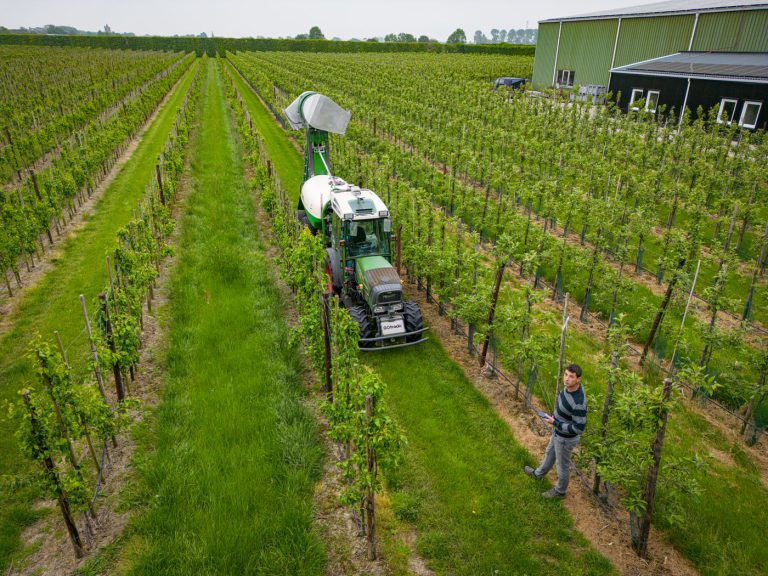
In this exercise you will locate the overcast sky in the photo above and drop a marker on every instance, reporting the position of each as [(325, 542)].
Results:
[(273, 18)]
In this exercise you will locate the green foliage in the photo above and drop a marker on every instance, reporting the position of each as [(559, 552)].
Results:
[(598, 180), (69, 409), (458, 36), (83, 132), (315, 33)]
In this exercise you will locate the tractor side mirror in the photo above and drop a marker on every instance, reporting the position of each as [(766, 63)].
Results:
[(387, 225)]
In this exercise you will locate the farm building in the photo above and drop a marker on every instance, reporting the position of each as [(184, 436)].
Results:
[(679, 53)]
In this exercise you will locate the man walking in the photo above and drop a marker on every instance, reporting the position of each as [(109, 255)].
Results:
[(569, 422)]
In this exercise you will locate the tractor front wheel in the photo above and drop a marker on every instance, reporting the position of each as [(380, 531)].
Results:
[(365, 324), (413, 319)]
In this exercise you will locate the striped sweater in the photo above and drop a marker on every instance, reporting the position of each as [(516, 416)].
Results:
[(571, 413)]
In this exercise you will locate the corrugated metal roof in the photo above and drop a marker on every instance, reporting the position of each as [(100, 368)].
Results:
[(671, 7), (731, 65)]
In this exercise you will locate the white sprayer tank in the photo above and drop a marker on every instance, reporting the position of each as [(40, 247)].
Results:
[(349, 201), (316, 193)]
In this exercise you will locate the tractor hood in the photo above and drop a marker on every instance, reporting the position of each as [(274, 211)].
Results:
[(381, 284)]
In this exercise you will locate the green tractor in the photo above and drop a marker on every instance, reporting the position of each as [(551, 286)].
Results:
[(356, 229)]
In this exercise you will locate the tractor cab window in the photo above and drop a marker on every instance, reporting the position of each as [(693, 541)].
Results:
[(336, 231), (367, 237)]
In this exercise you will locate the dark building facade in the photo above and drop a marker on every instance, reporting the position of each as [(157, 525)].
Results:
[(736, 84)]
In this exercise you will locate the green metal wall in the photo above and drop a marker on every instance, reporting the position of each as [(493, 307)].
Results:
[(546, 44), (590, 60), (587, 46), (645, 38), (745, 31)]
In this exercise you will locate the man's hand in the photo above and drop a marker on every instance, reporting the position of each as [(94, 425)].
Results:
[(549, 420)]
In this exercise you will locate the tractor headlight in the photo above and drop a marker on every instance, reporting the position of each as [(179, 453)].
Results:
[(396, 307), (379, 309)]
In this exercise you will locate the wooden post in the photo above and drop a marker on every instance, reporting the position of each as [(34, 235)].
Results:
[(50, 471), (606, 411), (429, 244), (85, 426), (758, 268), (752, 403), (398, 245), (57, 410), (370, 504), (492, 312), (160, 183), (649, 494), (94, 353), (326, 314), (7, 283), (120, 387), (33, 176), (662, 309), (563, 329)]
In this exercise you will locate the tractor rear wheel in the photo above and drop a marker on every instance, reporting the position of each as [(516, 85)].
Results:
[(365, 324), (413, 319)]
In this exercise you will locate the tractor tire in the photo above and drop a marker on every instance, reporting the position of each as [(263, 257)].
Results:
[(365, 324), (333, 273), (413, 320)]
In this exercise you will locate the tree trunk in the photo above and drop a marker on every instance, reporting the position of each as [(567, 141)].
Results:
[(606, 412), (55, 481), (755, 273), (492, 312), (649, 494), (662, 309), (588, 291), (559, 274), (752, 403)]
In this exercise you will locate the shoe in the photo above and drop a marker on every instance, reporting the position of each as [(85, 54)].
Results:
[(532, 473), (552, 493)]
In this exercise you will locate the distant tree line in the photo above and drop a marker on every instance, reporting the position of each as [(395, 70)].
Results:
[(458, 36), (211, 46), (519, 36), (55, 30), (64, 31)]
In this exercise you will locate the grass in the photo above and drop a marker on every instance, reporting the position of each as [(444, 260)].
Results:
[(53, 304), (461, 485), (228, 466)]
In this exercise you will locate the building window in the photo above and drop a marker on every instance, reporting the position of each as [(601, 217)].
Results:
[(565, 78), (652, 101), (727, 111), (637, 94), (749, 114)]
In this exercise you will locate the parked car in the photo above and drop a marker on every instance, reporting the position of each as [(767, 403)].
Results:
[(512, 83)]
